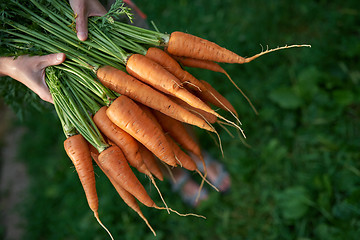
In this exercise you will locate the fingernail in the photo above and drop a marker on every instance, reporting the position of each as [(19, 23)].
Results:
[(59, 57), (82, 36)]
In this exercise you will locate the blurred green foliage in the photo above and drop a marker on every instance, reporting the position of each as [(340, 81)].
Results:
[(300, 179)]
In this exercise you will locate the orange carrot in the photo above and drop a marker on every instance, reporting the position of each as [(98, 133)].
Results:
[(171, 65), (184, 159), (78, 151), (149, 113), (127, 144), (178, 132), (214, 97), (122, 139), (127, 115), (114, 164), (158, 77), (210, 118), (150, 162), (187, 45), (125, 84), (199, 63), (125, 195), (177, 151)]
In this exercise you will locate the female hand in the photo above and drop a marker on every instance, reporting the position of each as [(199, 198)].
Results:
[(82, 10), (30, 70)]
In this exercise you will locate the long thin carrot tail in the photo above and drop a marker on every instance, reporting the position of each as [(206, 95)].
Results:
[(181, 214), (191, 84), (246, 60), (233, 114), (158, 190), (207, 181), (239, 89), (223, 125), (217, 134), (146, 222), (96, 214), (203, 177)]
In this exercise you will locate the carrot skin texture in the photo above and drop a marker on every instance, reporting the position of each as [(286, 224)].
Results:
[(125, 84), (113, 162), (187, 45), (208, 116), (204, 92), (219, 100), (158, 77), (181, 156), (78, 151), (129, 199), (151, 162), (125, 195), (127, 115), (184, 159), (178, 132), (199, 63), (122, 139), (171, 65)]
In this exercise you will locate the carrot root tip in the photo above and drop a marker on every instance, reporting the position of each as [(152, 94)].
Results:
[(182, 214), (96, 214)]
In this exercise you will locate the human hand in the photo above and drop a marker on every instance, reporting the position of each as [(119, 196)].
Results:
[(30, 70), (82, 10)]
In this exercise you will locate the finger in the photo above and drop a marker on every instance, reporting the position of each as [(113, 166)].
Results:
[(97, 10), (45, 95), (82, 26), (51, 60)]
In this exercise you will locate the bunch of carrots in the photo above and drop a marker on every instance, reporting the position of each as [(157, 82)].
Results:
[(123, 97)]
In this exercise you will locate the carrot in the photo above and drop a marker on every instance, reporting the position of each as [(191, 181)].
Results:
[(111, 161), (212, 66), (127, 144), (148, 112), (214, 97), (127, 115), (150, 162), (158, 77), (187, 45), (78, 151), (184, 159), (125, 195), (178, 132), (171, 65), (122, 139), (114, 164), (123, 83), (208, 117)]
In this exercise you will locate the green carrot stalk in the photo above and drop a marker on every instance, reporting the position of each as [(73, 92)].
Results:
[(71, 104)]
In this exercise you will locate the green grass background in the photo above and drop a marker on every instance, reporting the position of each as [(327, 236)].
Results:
[(301, 177)]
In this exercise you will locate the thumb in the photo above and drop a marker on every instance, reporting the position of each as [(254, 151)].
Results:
[(82, 27), (52, 59)]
